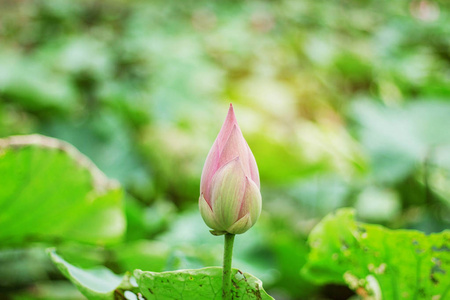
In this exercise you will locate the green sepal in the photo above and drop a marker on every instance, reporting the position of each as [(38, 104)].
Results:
[(217, 232)]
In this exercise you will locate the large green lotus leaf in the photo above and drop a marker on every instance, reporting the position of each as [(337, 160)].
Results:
[(199, 284), (98, 283), (50, 191), (379, 263)]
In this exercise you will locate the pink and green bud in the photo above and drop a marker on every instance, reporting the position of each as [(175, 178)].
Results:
[(230, 199)]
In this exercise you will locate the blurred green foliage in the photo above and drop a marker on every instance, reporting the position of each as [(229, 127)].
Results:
[(343, 103)]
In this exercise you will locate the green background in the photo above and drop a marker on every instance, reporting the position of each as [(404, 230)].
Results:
[(343, 103)]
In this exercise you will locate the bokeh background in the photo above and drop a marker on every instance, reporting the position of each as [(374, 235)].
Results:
[(343, 103)]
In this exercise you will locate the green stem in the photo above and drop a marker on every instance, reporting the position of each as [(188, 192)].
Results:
[(227, 256)]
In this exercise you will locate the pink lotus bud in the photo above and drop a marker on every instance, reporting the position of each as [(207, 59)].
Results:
[(230, 200)]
